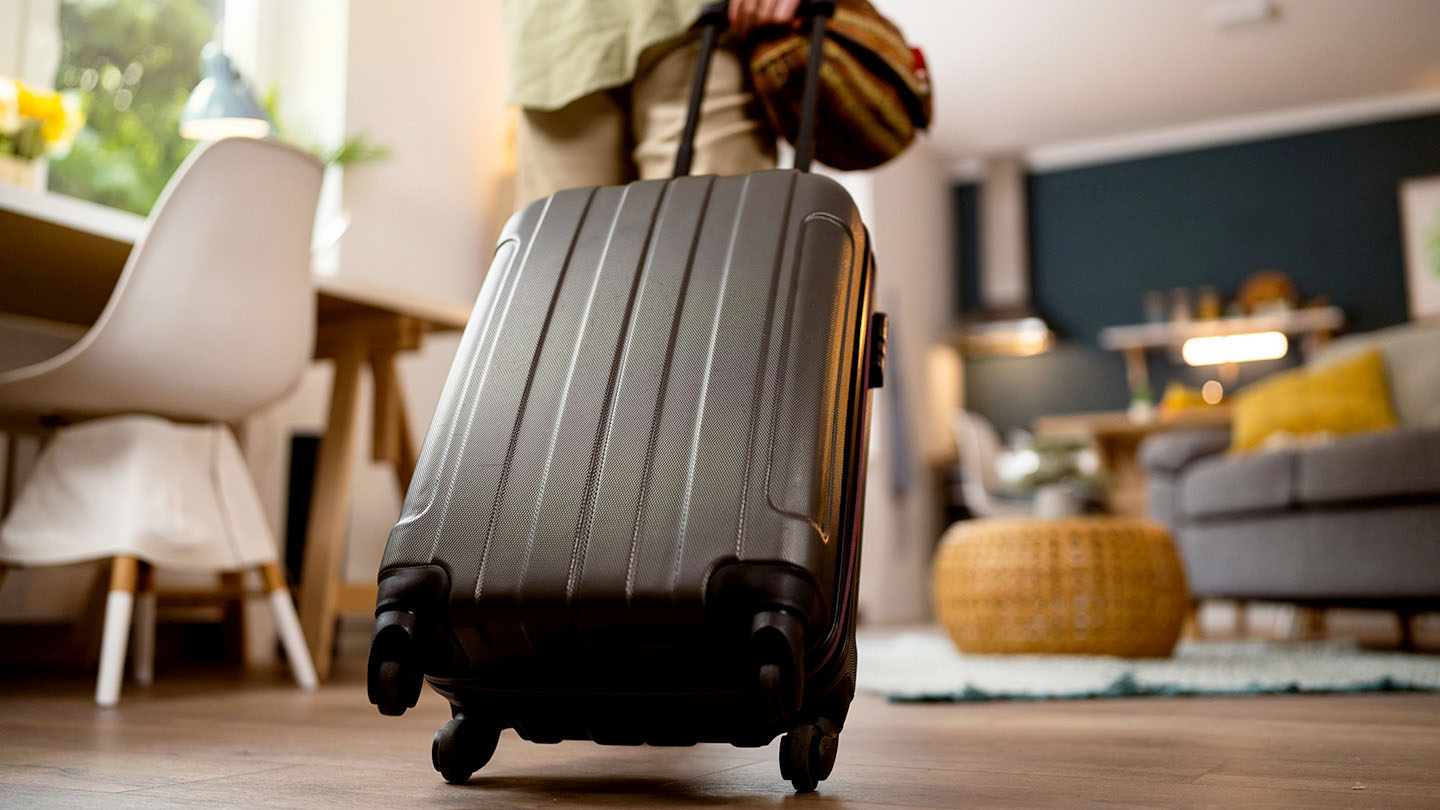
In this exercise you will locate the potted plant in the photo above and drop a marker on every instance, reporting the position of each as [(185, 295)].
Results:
[(34, 124), (1066, 477)]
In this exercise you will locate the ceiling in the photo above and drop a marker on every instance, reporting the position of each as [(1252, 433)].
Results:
[(1014, 75)]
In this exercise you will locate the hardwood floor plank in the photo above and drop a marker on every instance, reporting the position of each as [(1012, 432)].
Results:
[(211, 739), (114, 771), (34, 798)]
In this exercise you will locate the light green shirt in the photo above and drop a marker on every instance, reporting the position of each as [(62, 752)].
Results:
[(560, 50)]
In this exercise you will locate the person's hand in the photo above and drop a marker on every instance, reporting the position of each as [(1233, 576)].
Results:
[(746, 15)]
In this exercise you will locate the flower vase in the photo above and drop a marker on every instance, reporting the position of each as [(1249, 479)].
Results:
[(1057, 501), (17, 171)]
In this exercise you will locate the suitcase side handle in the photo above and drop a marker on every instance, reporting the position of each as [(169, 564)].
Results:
[(714, 20)]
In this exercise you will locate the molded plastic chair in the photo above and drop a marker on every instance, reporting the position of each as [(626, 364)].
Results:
[(979, 452), (211, 319)]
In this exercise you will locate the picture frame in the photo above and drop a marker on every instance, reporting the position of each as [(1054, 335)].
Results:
[(1420, 224)]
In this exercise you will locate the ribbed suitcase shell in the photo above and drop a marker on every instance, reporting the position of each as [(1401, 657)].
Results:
[(657, 379)]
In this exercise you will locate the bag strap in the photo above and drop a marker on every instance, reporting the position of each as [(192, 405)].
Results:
[(714, 20)]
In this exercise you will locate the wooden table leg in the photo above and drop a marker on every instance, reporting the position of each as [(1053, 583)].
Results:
[(1127, 478), (384, 423), (329, 508), (391, 443), (392, 440)]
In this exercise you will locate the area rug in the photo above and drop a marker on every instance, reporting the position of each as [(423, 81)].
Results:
[(927, 667)]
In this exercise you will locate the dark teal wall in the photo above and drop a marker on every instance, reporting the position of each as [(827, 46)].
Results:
[(1322, 206)]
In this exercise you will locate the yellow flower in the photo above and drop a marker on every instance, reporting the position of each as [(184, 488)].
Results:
[(59, 133), (59, 115), (41, 106)]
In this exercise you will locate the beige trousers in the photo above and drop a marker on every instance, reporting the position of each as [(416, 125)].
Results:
[(632, 132)]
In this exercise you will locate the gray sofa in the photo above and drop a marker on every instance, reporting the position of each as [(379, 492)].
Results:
[(1352, 522)]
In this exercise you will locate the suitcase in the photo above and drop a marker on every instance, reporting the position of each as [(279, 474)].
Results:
[(636, 514)]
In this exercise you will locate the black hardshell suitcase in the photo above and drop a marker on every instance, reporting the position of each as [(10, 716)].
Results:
[(636, 516)]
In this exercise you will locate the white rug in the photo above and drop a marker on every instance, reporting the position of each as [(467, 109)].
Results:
[(926, 666)]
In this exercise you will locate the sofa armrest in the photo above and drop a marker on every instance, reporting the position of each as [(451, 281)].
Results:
[(1170, 452)]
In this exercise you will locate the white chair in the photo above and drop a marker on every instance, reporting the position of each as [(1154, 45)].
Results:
[(211, 319), (979, 447)]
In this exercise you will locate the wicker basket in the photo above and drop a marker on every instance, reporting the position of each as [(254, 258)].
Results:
[(1090, 585)]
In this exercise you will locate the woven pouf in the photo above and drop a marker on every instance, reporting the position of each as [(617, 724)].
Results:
[(1088, 585)]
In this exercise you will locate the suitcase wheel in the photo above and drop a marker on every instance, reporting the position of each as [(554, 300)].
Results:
[(394, 677), (776, 650), (807, 754), (462, 747)]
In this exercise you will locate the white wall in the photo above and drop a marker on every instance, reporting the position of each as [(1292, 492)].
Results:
[(30, 40), (427, 81), (906, 205)]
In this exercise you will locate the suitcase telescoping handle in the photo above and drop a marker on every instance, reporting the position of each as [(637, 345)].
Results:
[(713, 20)]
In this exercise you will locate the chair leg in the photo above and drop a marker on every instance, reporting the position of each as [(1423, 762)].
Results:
[(143, 630), (1242, 624), (7, 488), (287, 624), (1312, 622), (118, 606), (1407, 629), (232, 622), (1191, 627)]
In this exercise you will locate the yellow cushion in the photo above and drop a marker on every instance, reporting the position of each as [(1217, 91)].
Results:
[(1180, 398), (1345, 397)]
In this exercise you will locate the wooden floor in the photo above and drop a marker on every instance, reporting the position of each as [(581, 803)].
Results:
[(210, 741)]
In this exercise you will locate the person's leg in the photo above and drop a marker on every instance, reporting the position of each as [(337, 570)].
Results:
[(584, 143), (732, 138)]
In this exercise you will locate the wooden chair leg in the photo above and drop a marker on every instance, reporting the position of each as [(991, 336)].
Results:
[(1407, 629), (1311, 621), (1191, 627), (118, 606), (1242, 623), (143, 631), (287, 624), (7, 489), (232, 622)]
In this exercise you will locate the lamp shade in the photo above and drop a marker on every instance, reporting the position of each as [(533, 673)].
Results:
[(221, 105)]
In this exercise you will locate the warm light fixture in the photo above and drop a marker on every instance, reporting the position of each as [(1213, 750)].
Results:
[(1212, 392), (1209, 351), (213, 129), (1019, 337), (222, 106)]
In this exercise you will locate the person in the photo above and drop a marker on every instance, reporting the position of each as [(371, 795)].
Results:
[(603, 87)]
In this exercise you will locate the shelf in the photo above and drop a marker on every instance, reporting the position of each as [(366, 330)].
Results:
[(1162, 335)]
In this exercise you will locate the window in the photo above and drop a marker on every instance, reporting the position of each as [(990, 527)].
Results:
[(135, 63)]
